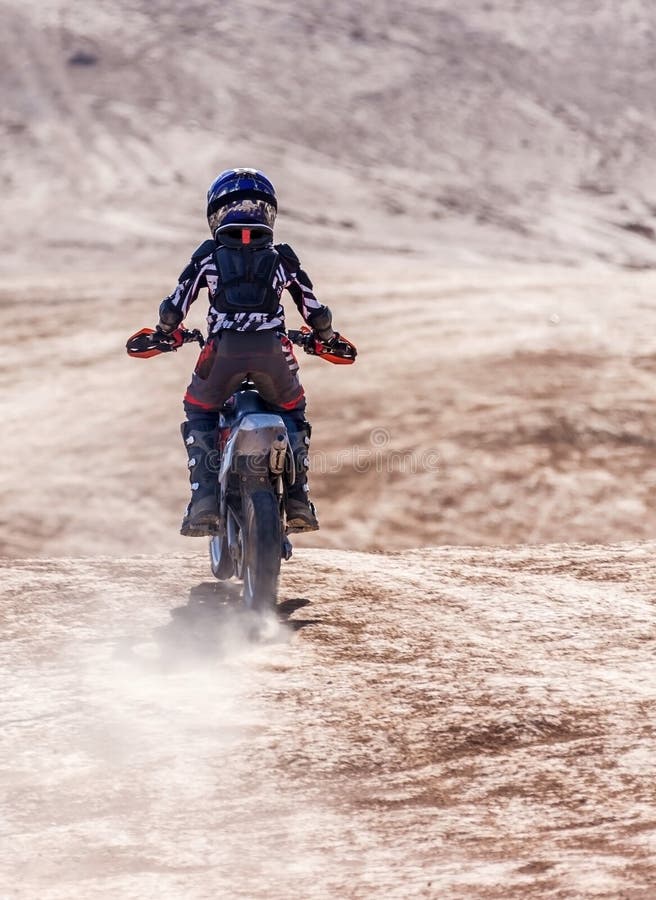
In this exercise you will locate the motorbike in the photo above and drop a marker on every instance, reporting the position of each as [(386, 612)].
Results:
[(256, 468)]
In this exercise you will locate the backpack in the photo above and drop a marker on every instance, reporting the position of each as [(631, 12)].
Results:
[(246, 276)]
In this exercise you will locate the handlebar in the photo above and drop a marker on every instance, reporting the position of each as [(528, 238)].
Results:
[(151, 342), (189, 337), (300, 338)]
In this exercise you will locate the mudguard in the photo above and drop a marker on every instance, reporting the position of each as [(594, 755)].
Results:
[(252, 438)]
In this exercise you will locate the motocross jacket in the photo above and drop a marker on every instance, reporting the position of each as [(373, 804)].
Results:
[(203, 272)]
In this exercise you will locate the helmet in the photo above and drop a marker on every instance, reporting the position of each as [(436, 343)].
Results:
[(241, 197)]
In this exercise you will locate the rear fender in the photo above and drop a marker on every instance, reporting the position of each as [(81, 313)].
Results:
[(249, 445)]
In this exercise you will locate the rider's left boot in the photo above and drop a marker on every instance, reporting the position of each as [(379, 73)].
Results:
[(202, 516), (301, 514)]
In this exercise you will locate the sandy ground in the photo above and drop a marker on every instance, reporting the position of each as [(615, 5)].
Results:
[(485, 131), (442, 723), (491, 405)]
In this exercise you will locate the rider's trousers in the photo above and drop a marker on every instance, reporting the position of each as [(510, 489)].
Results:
[(229, 357)]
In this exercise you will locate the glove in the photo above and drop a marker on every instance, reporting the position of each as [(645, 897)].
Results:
[(165, 334), (331, 343), (339, 348)]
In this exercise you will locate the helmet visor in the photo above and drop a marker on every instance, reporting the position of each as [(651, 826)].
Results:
[(243, 212)]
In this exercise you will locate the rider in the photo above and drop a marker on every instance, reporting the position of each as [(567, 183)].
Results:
[(245, 275)]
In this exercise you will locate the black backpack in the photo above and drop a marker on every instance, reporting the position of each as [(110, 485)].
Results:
[(246, 275)]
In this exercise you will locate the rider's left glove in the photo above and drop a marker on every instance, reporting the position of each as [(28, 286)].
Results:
[(167, 335)]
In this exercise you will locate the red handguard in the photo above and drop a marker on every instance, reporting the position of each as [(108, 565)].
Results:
[(342, 353), (149, 342)]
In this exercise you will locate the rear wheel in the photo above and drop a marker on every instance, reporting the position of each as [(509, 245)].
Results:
[(262, 543)]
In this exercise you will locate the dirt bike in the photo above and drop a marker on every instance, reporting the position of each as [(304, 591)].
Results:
[(256, 468)]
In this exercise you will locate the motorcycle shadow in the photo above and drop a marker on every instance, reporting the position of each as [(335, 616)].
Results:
[(287, 608), (213, 624)]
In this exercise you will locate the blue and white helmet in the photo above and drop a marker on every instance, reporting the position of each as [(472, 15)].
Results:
[(241, 197)]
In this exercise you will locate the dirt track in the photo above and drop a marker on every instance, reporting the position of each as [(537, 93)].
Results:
[(443, 723)]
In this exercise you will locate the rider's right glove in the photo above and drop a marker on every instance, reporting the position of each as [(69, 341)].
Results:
[(331, 343)]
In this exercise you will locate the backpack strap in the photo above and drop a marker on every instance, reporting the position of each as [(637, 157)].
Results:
[(199, 253), (288, 254), (294, 263), (204, 250)]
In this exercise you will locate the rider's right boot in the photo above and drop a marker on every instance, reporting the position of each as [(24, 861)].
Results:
[(301, 514), (202, 516)]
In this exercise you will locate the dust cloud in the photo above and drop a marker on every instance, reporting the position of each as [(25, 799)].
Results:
[(121, 724)]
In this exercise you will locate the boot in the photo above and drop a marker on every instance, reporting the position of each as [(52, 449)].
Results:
[(202, 516), (301, 514)]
